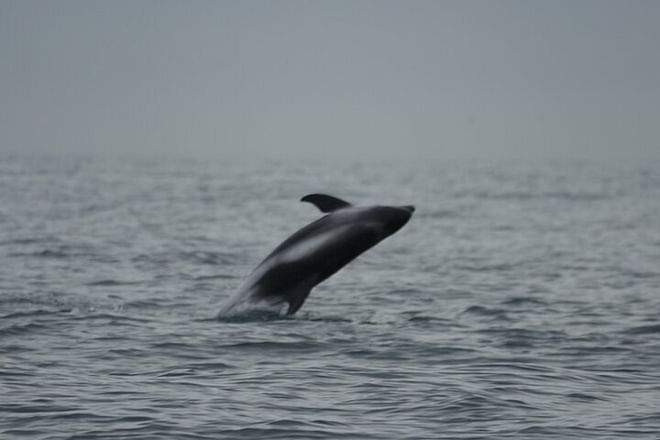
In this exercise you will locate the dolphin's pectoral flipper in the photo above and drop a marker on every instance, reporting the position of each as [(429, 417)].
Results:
[(297, 299), (325, 202)]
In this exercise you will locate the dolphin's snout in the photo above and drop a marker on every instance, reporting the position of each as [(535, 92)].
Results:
[(409, 208)]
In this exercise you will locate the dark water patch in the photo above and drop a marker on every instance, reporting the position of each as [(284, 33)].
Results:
[(523, 301), (585, 397), (513, 364), (122, 353), (209, 366), (485, 401), (51, 253), (644, 420), (29, 408), (25, 433), (288, 433), (23, 328), (213, 258), (639, 274), (269, 346), (643, 330), (112, 283), (142, 304), (607, 375), (20, 373), (155, 260), (592, 351), (60, 252), (422, 318), (207, 320), (34, 313), (183, 352), (495, 313), (14, 349), (29, 241), (511, 373), (431, 321), (373, 354), (432, 352)]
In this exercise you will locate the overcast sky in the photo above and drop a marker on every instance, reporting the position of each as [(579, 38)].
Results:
[(305, 78)]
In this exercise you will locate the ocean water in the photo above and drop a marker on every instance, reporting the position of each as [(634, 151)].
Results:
[(522, 301)]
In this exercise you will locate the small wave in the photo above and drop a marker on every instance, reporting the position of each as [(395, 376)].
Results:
[(487, 311), (171, 346), (254, 315), (21, 329), (141, 304), (496, 267), (196, 257), (312, 318), (639, 274), (428, 319), (205, 257), (113, 318), (51, 253), (178, 372), (60, 252), (436, 323), (284, 433), (523, 338), (288, 428)]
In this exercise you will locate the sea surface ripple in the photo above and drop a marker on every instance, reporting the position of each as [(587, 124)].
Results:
[(520, 302)]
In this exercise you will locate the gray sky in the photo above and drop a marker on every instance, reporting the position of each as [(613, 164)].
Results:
[(307, 78)]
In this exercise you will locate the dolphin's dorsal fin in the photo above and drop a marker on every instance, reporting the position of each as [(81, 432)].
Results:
[(325, 202)]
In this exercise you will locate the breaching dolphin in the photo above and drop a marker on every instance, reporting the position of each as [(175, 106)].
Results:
[(318, 250)]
